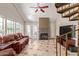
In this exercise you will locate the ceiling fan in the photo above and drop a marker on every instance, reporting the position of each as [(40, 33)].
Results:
[(41, 8)]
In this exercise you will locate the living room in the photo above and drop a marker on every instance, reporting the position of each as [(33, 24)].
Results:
[(30, 30)]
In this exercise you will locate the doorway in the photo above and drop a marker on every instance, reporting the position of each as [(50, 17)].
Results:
[(32, 31)]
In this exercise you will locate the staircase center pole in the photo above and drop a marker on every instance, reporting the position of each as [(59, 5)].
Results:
[(66, 45), (78, 31), (56, 47), (60, 46)]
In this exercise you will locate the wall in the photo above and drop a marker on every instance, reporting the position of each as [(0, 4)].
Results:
[(9, 11), (52, 29)]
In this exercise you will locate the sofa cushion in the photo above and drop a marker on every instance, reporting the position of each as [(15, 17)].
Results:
[(71, 42), (16, 36), (20, 35), (6, 39), (1, 38), (11, 37)]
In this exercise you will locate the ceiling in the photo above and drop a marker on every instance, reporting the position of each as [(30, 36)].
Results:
[(29, 13)]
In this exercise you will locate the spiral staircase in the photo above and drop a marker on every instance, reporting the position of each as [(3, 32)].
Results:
[(70, 11)]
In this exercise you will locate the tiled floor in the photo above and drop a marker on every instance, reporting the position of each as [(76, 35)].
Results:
[(43, 48)]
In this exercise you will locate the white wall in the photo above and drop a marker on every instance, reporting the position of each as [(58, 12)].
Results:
[(9, 11), (52, 29)]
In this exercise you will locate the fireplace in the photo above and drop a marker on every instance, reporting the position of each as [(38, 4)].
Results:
[(44, 28), (43, 36)]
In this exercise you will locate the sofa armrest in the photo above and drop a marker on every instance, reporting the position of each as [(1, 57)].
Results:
[(8, 52), (16, 46), (26, 37), (19, 45)]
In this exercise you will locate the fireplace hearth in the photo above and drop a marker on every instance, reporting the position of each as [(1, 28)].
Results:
[(43, 36)]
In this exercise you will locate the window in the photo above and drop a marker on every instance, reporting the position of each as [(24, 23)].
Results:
[(21, 28), (32, 31), (10, 28), (17, 27), (1, 26), (28, 31)]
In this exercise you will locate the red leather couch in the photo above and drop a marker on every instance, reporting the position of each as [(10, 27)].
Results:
[(17, 41), (70, 42), (8, 52), (20, 42)]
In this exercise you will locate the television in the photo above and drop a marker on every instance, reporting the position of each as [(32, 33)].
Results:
[(68, 28)]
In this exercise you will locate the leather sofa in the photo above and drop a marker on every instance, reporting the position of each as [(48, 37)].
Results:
[(20, 42), (70, 42), (8, 52), (16, 41)]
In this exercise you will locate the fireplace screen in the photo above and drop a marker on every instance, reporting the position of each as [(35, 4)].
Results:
[(43, 36)]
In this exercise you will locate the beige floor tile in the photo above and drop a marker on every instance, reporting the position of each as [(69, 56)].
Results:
[(43, 48)]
